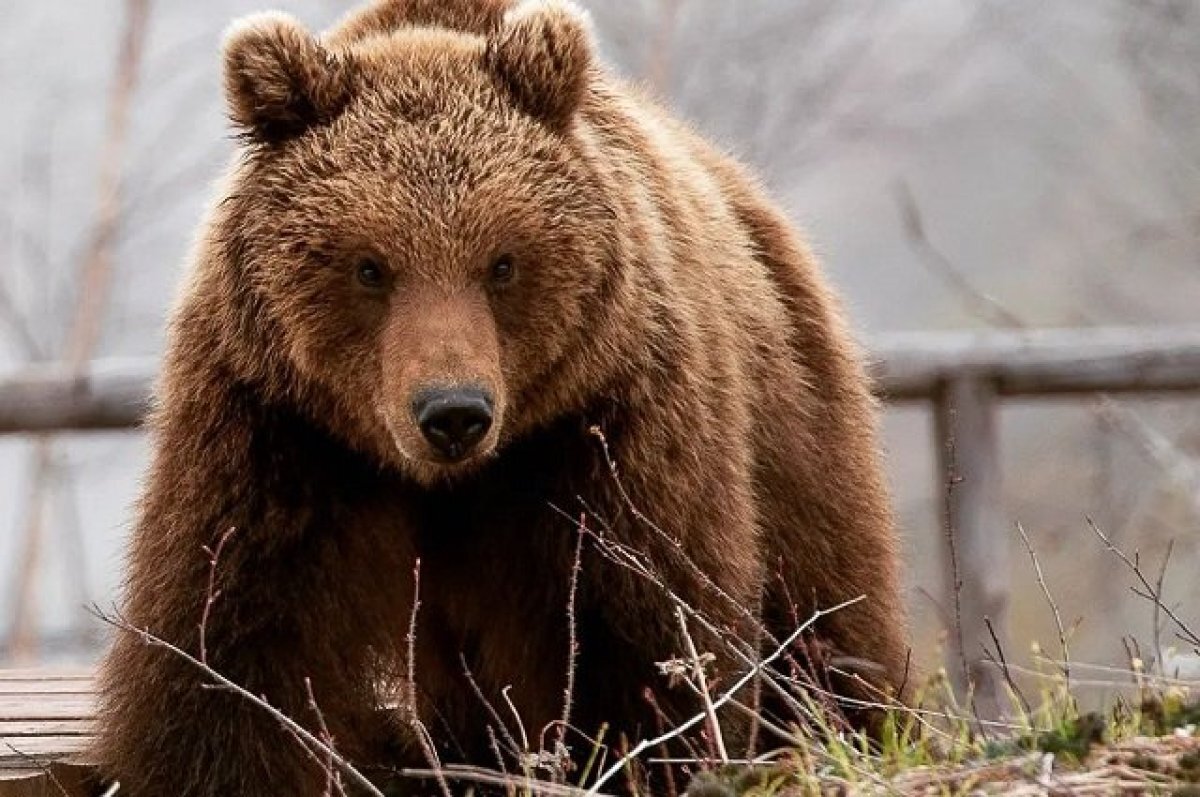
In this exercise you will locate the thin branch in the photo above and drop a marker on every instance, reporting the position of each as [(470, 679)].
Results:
[(1058, 623), (414, 718), (212, 593), (572, 632), (625, 557), (1149, 593), (348, 769), (697, 668), (333, 783), (514, 749), (1002, 663), (726, 697), (525, 748), (1157, 611), (614, 471), (953, 479), (322, 764), (674, 546), (494, 743), (982, 305), (47, 771)]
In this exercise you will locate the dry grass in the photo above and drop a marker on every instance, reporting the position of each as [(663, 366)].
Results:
[(1145, 742), (1147, 748)]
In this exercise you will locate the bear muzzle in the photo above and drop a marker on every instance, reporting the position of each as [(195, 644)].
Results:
[(454, 421)]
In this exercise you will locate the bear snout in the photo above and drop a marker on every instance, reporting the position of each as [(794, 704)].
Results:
[(454, 420)]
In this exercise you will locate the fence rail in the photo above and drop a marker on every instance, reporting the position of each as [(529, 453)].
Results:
[(113, 394), (1051, 362), (963, 376), (108, 394)]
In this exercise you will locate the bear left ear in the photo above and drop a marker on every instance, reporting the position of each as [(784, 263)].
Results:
[(279, 80), (542, 54)]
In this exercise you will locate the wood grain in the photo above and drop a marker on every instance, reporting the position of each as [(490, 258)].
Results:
[(46, 725)]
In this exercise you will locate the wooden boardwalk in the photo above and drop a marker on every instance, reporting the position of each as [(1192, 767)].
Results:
[(46, 720)]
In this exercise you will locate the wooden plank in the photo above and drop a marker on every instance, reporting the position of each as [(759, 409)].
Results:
[(46, 728), (11, 728), (77, 674), (17, 753), (56, 687), (47, 707)]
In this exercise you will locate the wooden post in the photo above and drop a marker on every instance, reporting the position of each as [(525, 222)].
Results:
[(23, 626), (977, 543)]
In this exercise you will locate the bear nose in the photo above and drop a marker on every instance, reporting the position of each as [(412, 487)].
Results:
[(455, 420)]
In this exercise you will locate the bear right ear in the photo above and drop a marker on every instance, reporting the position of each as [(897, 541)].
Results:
[(279, 80)]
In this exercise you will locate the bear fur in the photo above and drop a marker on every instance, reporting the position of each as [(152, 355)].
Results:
[(666, 366)]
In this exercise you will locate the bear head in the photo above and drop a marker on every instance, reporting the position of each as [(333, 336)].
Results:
[(414, 227)]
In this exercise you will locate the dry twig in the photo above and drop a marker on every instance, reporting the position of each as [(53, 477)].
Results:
[(1148, 591), (726, 697), (697, 668), (410, 702), (1041, 580), (211, 595), (572, 634), (1002, 663), (121, 624)]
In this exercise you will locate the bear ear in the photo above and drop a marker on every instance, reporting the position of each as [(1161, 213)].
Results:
[(384, 16), (542, 54), (279, 80)]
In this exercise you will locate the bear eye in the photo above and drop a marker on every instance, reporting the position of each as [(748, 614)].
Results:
[(370, 273), (503, 269)]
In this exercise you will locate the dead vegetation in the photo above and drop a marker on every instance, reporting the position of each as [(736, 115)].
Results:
[(1040, 743)]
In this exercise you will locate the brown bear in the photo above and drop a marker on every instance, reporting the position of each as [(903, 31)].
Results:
[(469, 302)]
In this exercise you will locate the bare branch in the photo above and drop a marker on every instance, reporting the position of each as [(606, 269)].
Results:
[(121, 624), (410, 701), (1160, 661), (756, 670), (1041, 579), (1002, 663), (1150, 592), (697, 667), (952, 479), (982, 305), (572, 634), (212, 593)]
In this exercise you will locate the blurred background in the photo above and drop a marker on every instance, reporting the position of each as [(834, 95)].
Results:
[(1001, 163)]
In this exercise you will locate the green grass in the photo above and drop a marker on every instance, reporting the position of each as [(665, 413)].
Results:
[(1144, 742)]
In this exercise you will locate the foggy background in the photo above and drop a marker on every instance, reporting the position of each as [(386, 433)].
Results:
[(1048, 152)]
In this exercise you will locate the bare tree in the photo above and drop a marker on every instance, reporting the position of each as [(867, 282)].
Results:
[(83, 336)]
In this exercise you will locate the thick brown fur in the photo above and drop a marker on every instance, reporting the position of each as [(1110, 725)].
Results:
[(658, 295)]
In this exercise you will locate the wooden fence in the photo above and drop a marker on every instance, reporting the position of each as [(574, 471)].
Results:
[(963, 376)]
